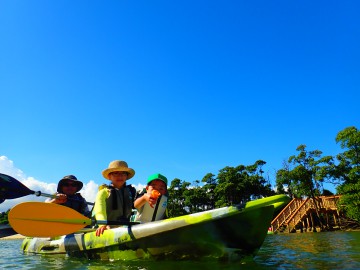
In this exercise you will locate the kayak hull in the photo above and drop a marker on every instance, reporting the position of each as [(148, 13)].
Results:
[(219, 233)]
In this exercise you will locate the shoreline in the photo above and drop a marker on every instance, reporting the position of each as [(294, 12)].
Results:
[(13, 237)]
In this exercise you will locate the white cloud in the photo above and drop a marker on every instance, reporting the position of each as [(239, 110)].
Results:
[(88, 191), (7, 167)]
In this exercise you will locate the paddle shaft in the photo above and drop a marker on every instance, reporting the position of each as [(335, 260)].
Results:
[(39, 193)]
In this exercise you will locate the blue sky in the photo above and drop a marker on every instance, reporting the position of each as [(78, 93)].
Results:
[(183, 88)]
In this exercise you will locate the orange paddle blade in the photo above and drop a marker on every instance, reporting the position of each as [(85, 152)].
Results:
[(38, 219)]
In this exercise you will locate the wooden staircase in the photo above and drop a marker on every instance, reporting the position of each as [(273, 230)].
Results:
[(300, 209)]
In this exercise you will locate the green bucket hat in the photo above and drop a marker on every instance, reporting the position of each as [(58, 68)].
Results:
[(157, 176)]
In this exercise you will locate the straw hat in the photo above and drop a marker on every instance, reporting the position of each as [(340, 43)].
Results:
[(118, 166), (67, 178)]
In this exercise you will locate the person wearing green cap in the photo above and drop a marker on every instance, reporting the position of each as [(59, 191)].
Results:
[(152, 202)]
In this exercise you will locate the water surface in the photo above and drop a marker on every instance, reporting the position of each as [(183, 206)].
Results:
[(328, 250)]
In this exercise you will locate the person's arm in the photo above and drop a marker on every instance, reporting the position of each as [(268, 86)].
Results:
[(147, 197), (140, 202), (99, 211)]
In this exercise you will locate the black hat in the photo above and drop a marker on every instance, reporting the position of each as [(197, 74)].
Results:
[(71, 178)]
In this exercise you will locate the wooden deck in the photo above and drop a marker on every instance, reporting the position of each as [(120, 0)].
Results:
[(299, 214)]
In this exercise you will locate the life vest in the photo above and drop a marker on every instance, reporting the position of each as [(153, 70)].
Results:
[(146, 213), (78, 203), (120, 202)]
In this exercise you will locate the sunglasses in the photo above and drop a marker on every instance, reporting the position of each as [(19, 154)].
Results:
[(70, 185), (119, 173)]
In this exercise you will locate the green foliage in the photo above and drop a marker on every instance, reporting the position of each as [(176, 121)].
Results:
[(4, 217), (350, 201), (233, 185), (348, 172), (239, 184), (209, 191), (176, 203), (303, 175)]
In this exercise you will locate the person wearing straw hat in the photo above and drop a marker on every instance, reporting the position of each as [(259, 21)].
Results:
[(115, 201), (68, 195), (151, 204)]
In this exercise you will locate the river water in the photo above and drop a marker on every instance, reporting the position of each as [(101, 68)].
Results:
[(328, 250)]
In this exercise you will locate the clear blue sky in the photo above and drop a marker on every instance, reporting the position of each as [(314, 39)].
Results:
[(183, 88)]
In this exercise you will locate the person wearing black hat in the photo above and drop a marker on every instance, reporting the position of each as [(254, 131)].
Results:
[(67, 195)]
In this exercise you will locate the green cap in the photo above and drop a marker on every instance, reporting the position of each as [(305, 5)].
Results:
[(157, 176)]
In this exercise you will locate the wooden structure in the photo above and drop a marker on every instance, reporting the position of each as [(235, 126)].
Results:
[(300, 214)]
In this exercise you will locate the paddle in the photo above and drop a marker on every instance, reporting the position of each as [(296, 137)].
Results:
[(38, 219), (10, 188)]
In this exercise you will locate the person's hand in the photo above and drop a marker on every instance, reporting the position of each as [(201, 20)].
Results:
[(151, 199), (101, 229), (59, 199)]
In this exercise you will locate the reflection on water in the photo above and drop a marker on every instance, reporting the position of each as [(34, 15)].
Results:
[(330, 250)]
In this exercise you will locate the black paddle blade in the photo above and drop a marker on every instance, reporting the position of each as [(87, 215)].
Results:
[(10, 188), (6, 230)]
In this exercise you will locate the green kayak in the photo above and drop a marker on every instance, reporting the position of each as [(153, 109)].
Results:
[(220, 233)]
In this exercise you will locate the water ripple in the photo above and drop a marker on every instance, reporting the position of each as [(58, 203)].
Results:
[(330, 250)]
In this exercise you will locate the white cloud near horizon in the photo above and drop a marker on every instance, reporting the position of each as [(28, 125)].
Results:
[(7, 166)]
